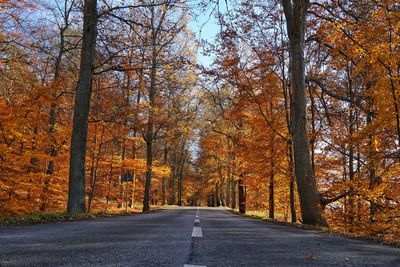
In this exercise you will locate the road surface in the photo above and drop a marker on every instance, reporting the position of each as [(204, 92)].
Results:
[(184, 237)]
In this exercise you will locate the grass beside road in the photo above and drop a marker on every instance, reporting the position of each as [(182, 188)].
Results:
[(48, 217), (333, 231)]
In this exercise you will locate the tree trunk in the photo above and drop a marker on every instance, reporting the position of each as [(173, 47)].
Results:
[(52, 113), (217, 200), (76, 193), (150, 118), (313, 131), (271, 211), (242, 195), (110, 177), (164, 179), (373, 179), (233, 194), (149, 173), (173, 176), (351, 147), (95, 167), (227, 192), (287, 95), (291, 183), (309, 196), (182, 161)]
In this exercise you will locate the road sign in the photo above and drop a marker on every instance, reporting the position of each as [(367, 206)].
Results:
[(128, 177)]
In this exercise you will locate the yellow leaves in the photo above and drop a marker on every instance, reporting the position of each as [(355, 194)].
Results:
[(376, 143), (162, 171), (136, 140), (139, 166), (135, 165)]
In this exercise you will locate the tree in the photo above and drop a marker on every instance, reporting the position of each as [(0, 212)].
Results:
[(295, 13), (76, 193), (163, 31)]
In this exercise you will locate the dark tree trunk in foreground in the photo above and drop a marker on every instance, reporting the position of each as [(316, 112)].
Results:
[(76, 193), (295, 14)]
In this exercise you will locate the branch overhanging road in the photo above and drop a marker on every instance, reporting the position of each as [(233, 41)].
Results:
[(184, 237)]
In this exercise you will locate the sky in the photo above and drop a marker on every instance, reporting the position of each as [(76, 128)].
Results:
[(205, 27)]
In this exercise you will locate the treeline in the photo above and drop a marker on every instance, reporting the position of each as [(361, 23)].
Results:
[(265, 118), (122, 70)]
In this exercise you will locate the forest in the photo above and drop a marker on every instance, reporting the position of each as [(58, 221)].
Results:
[(104, 107)]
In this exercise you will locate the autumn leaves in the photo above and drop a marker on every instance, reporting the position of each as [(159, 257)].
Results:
[(337, 108)]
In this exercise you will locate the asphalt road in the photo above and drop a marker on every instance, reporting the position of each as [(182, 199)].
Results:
[(184, 236)]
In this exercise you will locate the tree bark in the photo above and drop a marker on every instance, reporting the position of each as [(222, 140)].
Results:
[(164, 179), (150, 118), (295, 14), (182, 162), (217, 200), (227, 192), (76, 193), (242, 195), (233, 193), (95, 167), (271, 210), (173, 176)]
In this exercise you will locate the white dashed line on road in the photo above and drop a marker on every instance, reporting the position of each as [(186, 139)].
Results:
[(197, 232), (197, 220), (191, 265)]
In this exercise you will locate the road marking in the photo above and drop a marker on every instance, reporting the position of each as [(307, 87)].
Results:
[(197, 216), (197, 220), (191, 265), (197, 232)]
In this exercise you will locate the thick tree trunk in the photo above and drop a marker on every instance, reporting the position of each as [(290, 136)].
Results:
[(76, 193), (309, 197)]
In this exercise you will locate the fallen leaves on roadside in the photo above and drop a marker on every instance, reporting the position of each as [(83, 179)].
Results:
[(309, 256)]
